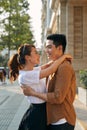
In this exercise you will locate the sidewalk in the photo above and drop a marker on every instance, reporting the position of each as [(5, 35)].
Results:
[(15, 105), (81, 112), (19, 114)]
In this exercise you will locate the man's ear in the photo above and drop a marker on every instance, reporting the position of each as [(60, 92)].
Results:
[(59, 47)]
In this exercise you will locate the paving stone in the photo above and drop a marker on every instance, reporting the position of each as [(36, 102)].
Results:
[(9, 110)]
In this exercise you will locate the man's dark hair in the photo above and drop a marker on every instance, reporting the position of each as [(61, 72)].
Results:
[(58, 39)]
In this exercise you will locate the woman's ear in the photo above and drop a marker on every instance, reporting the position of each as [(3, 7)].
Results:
[(27, 57)]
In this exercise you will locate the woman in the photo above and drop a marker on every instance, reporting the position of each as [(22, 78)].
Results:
[(21, 66)]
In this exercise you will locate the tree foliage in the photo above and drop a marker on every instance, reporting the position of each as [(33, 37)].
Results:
[(15, 24), (83, 78), (3, 60)]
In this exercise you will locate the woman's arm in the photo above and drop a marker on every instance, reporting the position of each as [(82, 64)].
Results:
[(61, 86), (46, 65), (52, 68)]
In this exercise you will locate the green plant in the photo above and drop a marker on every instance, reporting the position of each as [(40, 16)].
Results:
[(83, 78)]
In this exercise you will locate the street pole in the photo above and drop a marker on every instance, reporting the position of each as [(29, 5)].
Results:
[(9, 37)]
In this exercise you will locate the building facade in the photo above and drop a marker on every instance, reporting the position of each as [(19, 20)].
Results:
[(70, 18)]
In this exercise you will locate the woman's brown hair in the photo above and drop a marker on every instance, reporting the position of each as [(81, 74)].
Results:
[(17, 61)]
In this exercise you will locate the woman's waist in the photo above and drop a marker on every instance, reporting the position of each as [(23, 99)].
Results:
[(38, 104), (35, 100)]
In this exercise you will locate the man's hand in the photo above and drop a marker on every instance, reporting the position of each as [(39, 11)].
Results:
[(27, 90)]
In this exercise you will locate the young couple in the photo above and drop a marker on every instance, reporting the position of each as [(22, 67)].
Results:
[(52, 103)]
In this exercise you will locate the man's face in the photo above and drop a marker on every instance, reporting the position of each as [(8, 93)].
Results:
[(52, 51)]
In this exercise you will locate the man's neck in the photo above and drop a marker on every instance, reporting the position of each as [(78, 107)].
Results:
[(57, 57)]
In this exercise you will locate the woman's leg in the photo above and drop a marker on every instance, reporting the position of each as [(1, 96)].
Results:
[(34, 118)]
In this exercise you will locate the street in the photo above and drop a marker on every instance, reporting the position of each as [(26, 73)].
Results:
[(13, 104)]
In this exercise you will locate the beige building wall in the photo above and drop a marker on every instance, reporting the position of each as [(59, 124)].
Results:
[(76, 33), (70, 18)]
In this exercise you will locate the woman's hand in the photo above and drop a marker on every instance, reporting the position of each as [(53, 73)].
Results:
[(67, 56)]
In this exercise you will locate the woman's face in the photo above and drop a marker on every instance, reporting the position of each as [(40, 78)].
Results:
[(34, 58)]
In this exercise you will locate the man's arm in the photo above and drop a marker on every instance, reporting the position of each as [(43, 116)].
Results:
[(61, 85), (65, 78), (28, 91)]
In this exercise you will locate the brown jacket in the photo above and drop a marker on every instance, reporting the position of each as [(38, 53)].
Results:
[(61, 94)]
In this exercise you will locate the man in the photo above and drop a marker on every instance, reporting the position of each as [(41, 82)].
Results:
[(61, 88)]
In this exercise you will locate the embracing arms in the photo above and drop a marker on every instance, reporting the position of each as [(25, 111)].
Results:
[(64, 84), (48, 69)]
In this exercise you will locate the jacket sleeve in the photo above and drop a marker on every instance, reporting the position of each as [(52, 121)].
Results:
[(61, 85)]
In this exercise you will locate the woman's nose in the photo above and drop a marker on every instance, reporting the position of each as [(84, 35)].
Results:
[(46, 50)]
